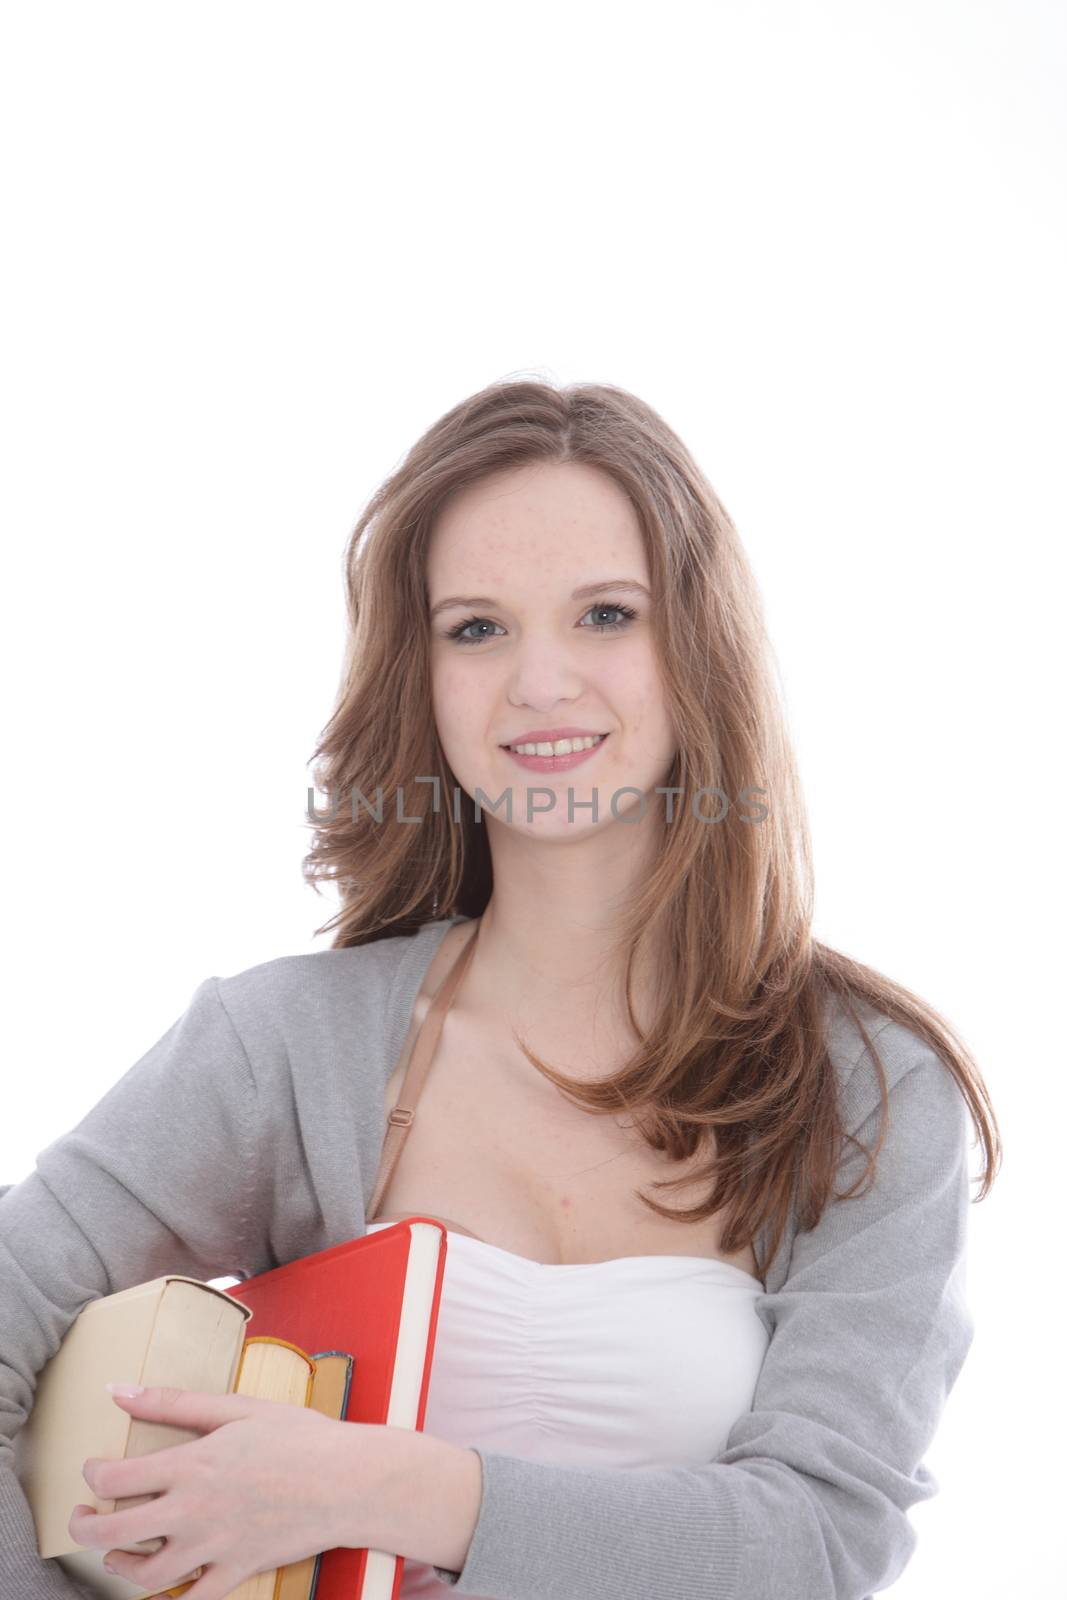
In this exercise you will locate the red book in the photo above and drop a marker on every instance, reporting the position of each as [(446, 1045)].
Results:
[(377, 1299)]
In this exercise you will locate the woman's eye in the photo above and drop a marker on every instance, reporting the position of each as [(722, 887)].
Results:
[(625, 612), (459, 632), (461, 636)]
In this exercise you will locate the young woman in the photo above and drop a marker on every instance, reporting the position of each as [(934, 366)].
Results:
[(704, 1178)]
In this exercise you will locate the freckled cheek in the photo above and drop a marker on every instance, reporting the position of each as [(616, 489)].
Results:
[(647, 724), (447, 695), (462, 713), (635, 701)]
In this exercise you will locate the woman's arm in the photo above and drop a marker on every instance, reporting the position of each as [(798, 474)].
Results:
[(161, 1176)]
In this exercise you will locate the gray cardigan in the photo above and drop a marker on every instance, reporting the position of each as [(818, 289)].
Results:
[(250, 1134)]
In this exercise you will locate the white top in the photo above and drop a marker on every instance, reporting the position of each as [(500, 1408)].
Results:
[(602, 1363)]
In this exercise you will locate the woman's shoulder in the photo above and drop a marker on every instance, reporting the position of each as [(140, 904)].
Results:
[(854, 1032), (320, 989)]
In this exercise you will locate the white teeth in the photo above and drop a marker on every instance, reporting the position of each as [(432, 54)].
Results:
[(559, 747)]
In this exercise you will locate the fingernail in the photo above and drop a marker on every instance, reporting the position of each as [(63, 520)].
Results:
[(125, 1389), (109, 1568)]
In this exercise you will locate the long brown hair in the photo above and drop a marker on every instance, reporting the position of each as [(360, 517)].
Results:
[(738, 1049)]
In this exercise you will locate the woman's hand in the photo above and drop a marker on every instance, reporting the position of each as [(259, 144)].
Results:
[(264, 1486)]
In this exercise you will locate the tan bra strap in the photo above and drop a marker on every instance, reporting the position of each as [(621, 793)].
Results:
[(402, 1114)]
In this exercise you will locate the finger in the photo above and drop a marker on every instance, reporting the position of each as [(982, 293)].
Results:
[(148, 1474), (98, 1530), (184, 1408), (164, 1570)]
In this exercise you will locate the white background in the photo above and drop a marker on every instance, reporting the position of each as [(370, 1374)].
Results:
[(252, 251)]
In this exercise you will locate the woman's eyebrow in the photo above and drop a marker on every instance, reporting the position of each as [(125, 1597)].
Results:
[(587, 591)]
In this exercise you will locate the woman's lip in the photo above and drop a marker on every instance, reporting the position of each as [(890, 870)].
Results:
[(555, 763)]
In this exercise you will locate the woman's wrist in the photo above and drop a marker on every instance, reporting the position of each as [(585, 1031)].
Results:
[(408, 1493)]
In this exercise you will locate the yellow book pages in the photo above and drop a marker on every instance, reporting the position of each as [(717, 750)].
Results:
[(329, 1394), (272, 1369)]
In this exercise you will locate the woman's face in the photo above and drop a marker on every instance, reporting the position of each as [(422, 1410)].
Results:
[(526, 576)]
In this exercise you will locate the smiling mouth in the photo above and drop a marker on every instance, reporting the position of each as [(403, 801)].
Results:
[(599, 737)]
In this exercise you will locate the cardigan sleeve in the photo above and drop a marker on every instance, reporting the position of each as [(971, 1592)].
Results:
[(869, 1331), (159, 1177)]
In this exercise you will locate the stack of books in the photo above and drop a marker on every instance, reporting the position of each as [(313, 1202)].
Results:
[(349, 1331)]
